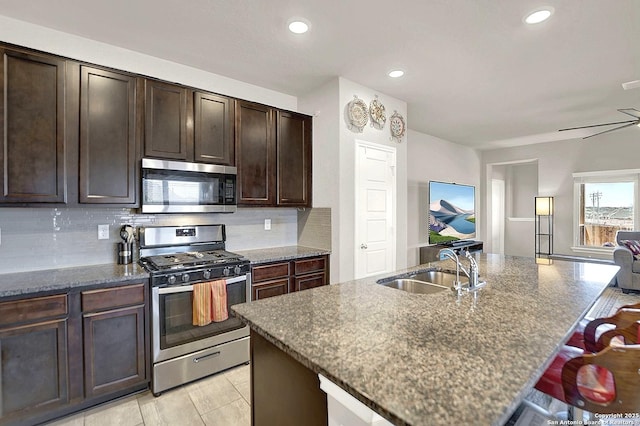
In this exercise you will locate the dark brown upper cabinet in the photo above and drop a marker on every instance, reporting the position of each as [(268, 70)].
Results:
[(274, 156), (188, 125), (294, 159), (32, 119), (255, 141), (74, 133), (213, 129), (110, 131), (166, 120)]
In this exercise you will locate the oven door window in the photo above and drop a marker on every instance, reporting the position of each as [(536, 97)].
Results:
[(176, 316)]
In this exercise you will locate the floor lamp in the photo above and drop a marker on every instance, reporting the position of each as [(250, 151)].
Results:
[(544, 226)]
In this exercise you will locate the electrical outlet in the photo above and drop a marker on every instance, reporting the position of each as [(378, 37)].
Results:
[(267, 224), (103, 232)]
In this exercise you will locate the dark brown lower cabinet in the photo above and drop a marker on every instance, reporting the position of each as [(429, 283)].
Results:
[(269, 280), (114, 339), (270, 289), (296, 400), (66, 352), (34, 369), (34, 366), (310, 281), (310, 272), (274, 279)]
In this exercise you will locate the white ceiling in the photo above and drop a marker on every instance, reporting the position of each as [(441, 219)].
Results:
[(475, 73)]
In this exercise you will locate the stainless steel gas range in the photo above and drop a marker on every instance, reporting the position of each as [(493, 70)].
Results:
[(177, 257)]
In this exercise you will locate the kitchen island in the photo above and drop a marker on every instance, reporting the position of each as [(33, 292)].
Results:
[(435, 359)]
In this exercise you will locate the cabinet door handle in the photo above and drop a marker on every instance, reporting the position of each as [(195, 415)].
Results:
[(200, 358), (363, 246)]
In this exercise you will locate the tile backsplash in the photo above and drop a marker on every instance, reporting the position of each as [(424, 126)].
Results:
[(59, 237), (314, 228)]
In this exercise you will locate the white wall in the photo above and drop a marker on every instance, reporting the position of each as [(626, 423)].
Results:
[(36, 37), (334, 163), (347, 172), (324, 104), (431, 158), (556, 163), (521, 188)]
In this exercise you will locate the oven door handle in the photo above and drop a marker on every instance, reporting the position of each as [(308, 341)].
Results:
[(183, 288)]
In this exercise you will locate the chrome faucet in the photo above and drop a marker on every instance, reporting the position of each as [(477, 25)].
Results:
[(474, 281), (472, 274), (447, 252)]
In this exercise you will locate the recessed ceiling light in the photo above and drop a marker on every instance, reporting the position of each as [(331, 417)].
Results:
[(298, 26), (538, 15), (631, 85), (396, 73)]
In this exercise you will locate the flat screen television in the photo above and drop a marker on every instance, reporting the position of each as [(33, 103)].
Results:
[(451, 212)]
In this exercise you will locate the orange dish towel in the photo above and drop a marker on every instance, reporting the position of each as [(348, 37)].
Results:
[(209, 302), (201, 304), (219, 301)]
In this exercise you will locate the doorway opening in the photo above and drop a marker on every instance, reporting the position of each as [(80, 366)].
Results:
[(512, 187)]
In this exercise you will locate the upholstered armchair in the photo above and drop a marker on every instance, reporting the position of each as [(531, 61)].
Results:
[(627, 255)]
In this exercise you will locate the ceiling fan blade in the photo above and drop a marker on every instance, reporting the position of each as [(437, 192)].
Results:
[(631, 111), (598, 125), (614, 129)]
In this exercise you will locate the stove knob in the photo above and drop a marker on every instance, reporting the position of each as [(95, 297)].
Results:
[(226, 271), (206, 274), (237, 270), (185, 278), (171, 279)]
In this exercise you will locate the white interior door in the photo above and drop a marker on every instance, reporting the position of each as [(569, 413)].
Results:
[(375, 227)]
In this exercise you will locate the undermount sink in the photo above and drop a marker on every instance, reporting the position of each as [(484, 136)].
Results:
[(437, 277), (425, 282), (415, 286)]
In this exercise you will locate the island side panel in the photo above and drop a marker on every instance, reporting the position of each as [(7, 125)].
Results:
[(283, 391)]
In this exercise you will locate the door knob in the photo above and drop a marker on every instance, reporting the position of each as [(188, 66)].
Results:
[(363, 246)]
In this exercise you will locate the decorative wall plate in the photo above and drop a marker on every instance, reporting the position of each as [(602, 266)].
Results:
[(358, 114), (397, 126), (377, 113)]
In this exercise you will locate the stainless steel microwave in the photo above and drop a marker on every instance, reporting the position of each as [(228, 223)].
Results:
[(182, 187)]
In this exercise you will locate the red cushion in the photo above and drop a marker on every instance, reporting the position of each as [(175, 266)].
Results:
[(596, 384), (577, 338), (551, 381)]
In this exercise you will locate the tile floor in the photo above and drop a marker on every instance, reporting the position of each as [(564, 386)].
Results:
[(222, 399)]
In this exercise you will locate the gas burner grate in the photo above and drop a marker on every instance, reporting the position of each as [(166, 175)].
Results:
[(191, 258)]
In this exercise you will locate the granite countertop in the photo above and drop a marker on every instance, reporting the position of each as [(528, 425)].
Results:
[(275, 254), (63, 279), (436, 359), (53, 280)]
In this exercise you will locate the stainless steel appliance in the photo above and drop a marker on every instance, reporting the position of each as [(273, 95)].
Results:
[(181, 187), (177, 257)]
